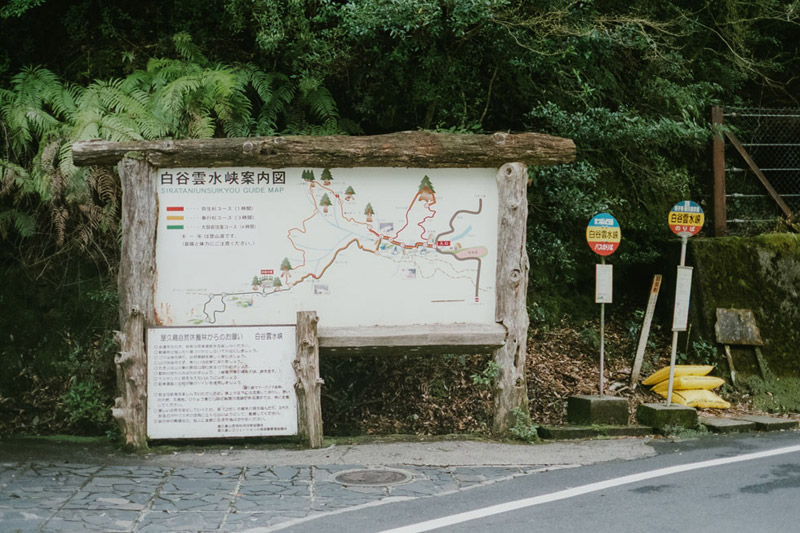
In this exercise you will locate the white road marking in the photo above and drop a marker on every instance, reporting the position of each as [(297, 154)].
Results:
[(459, 518), (395, 499)]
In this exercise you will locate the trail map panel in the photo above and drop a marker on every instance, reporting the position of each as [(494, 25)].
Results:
[(221, 382), (361, 246)]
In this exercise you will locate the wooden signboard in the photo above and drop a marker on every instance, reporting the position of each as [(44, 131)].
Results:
[(205, 382), (737, 326), (403, 242), (362, 247)]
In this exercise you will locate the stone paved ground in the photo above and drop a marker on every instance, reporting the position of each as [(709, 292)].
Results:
[(80, 497)]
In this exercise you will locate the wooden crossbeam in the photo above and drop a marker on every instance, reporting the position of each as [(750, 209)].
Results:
[(420, 149)]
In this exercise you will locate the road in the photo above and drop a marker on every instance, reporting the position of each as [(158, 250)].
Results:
[(724, 484), (714, 483)]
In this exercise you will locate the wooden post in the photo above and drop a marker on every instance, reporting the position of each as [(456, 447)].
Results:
[(309, 384), (645, 333), (732, 368), (136, 284), (511, 391), (719, 200)]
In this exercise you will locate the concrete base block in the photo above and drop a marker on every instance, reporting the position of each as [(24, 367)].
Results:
[(767, 423), (726, 425), (659, 416), (588, 432), (604, 410), (566, 432)]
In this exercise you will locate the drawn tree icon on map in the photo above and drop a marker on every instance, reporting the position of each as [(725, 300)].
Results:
[(326, 177), (426, 190), (308, 175), (256, 282), (349, 193), (286, 266), (277, 283), (369, 212), (325, 202)]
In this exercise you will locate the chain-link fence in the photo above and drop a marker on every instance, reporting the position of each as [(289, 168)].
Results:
[(771, 137)]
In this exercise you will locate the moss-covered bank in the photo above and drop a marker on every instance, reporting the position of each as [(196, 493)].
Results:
[(760, 273)]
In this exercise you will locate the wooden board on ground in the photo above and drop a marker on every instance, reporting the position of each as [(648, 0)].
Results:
[(737, 326)]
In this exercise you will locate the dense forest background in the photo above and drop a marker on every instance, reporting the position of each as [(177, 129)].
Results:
[(631, 82)]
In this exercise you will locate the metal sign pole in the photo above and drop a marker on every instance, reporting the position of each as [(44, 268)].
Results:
[(603, 235), (673, 352), (602, 337)]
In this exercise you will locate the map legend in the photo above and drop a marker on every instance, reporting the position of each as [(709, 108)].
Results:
[(173, 219)]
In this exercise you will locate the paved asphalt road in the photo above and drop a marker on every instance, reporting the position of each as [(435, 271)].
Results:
[(567, 486), (754, 494)]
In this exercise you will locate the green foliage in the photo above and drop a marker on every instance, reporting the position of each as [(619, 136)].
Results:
[(701, 353), (629, 82), (41, 116), (634, 324), (590, 336), (16, 8), (684, 432), (523, 429), (488, 375), (87, 406), (630, 165), (57, 350), (774, 394)]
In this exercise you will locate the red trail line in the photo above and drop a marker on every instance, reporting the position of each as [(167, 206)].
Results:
[(303, 229), (433, 214)]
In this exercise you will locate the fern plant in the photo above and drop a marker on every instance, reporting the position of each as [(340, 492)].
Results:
[(41, 117)]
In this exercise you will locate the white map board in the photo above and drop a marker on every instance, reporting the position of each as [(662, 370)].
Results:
[(371, 246), (221, 382)]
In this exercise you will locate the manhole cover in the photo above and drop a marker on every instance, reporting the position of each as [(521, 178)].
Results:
[(372, 477)]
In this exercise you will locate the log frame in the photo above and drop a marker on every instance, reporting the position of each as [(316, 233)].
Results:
[(138, 169), (136, 284), (308, 385), (402, 340), (418, 149), (510, 388)]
